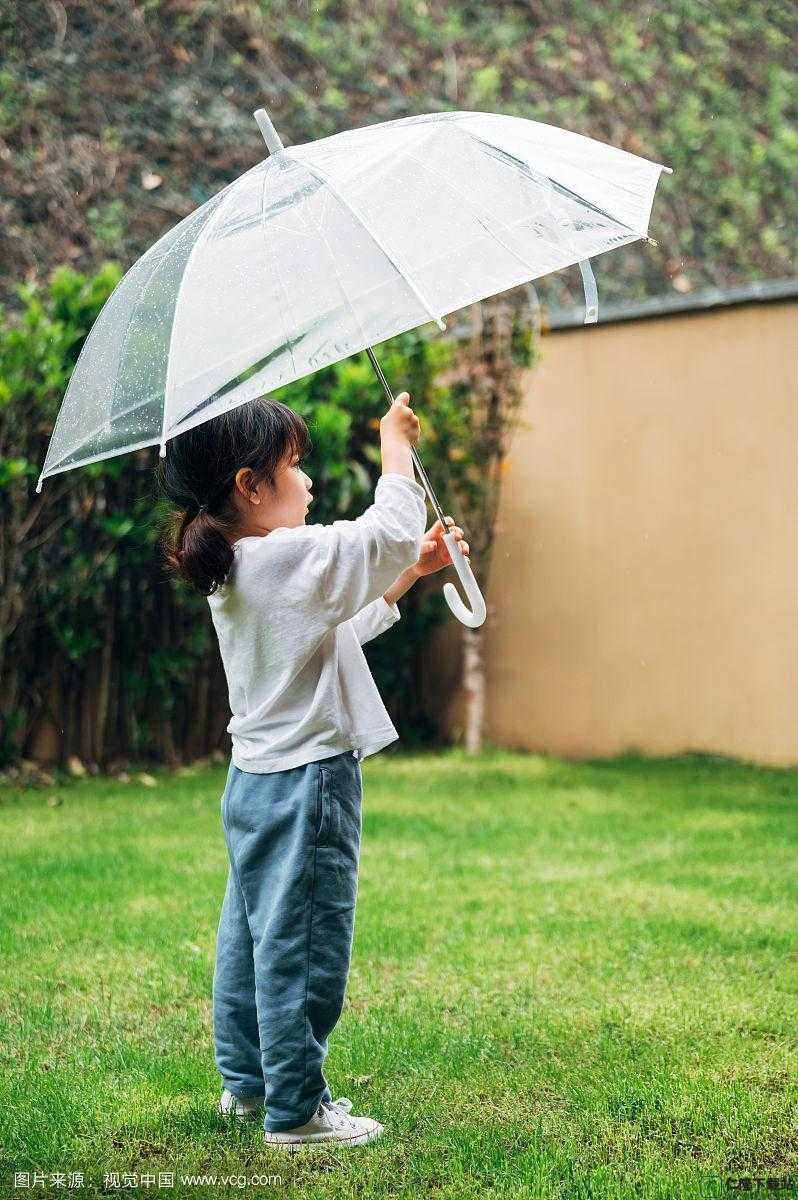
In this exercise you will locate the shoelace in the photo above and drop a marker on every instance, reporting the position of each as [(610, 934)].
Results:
[(338, 1111)]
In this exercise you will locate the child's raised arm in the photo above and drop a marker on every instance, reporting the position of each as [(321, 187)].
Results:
[(354, 562), (399, 429)]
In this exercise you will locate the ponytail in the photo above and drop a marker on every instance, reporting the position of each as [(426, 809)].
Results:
[(196, 548)]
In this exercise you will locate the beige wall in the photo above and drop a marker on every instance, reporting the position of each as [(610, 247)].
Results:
[(644, 590)]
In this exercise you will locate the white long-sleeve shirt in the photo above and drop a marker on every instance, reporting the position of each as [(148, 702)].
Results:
[(291, 617)]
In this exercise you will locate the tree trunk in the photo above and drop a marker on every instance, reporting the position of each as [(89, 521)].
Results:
[(166, 638), (88, 708), (198, 737), (490, 376), (168, 743), (68, 709), (104, 681), (112, 739), (473, 688)]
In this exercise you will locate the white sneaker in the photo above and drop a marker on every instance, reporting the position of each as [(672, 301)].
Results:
[(243, 1107), (331, 1124)]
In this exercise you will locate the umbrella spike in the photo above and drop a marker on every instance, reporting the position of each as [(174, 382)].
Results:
[(270, 135)]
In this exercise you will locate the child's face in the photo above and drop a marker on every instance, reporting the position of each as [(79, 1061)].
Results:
[(290, 504), (284, 506)]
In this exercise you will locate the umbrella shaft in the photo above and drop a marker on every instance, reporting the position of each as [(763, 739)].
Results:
[(433, 499)]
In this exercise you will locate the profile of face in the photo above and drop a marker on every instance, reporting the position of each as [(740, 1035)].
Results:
[(283, 506)]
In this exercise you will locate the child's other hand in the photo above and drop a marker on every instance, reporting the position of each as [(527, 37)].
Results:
[(434, 551)]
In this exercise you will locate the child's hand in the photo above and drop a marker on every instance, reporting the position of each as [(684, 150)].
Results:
[(400, 423), (434, 551)]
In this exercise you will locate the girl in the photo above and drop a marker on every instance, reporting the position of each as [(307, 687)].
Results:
[(292, 605)]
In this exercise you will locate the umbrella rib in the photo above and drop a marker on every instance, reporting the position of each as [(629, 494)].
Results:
[(211, 397), (537, 177), (586, 271), (338, 277), (276, 271), (324, 177), (588, 278), (620, 186), (92, 458), (225, 196)]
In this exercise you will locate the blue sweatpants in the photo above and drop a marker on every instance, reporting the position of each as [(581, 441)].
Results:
[(285, 934)]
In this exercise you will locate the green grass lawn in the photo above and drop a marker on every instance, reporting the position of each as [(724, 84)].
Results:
[(568, 980)]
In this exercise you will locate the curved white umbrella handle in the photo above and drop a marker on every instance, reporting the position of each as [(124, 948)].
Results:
[(476, 615)]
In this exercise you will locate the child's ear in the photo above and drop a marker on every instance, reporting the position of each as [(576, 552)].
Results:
[(243, 482)]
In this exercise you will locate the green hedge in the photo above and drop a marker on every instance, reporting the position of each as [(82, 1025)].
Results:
[(99, 647)]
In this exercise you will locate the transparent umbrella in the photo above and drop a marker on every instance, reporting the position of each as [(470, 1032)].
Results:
[(329, 248)]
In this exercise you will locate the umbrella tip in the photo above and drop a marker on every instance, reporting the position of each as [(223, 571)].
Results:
[(270, 135), (39, 484)]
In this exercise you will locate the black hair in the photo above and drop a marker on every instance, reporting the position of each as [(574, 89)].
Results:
[(198, 475)]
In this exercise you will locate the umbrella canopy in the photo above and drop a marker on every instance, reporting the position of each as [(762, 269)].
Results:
[(328, 248)]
